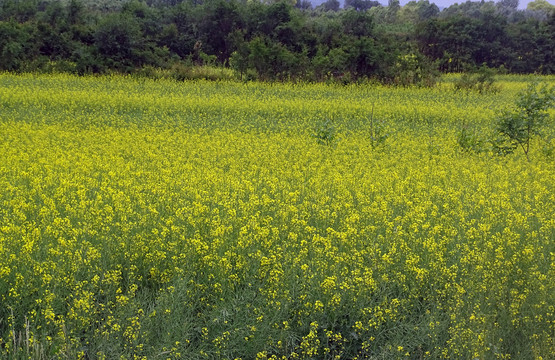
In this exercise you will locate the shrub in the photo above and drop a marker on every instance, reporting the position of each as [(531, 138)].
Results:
[(325, 133), (415, 70), (468, 140), (181, 72), (517, 126), (481, 80), (378, 134)]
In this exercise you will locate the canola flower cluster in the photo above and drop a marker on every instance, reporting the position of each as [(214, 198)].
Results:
[(146, 219)]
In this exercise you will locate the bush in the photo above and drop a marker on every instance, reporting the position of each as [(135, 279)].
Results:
[(517, 126), (468, 140), (325, 133), (181, 72), (481, 80), (415, 70)]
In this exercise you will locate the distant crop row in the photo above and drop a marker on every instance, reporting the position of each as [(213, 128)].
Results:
[(156, 219)]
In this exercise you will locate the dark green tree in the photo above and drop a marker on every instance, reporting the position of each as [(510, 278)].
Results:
[(361, 5), (512, 4), (75, 12), (427, 10), (19, 10), (119, 41), (393, 7), (356, 23), (220, 19), (239, 59), (330, 5), (15, 49)]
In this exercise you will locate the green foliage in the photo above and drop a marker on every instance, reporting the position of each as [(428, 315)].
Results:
[(415, 69), (182, 71), (272, 60), (330, 64), (239, 59), (14, 45), (501, 147), (469, 140), (325, 133), (276, 40), (378, 134), (330, 5), (526, 120), (541, 5), (481, 80), (548, 148), (118, 40)]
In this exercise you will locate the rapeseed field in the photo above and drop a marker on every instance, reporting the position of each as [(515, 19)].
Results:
[(144, 219)]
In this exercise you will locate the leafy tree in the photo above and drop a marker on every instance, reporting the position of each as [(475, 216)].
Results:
[(15, 49), (507, 8), (273, 61), (75, 12), (363, 40), (512, 4), (320, 63), (527, 118), (366, 58), (180, 35), (220, 19), (119, 41), (277, 15), (541, 5), (409, 13), (414, 69), (54, 14), (328, 29), (338, 60), (146, 17), (452, 41), (491, 39), (472, 9), (330, 63), (361, 5), (331, 5), (239, 59), (19, 10), (358, 24), (526, 47), (303, 4), (480, 79), (427, 10), (547, 34), (261, 57), (54, 44), (393, 7)]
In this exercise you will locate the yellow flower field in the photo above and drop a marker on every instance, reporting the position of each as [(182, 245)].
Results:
[(145, 219)]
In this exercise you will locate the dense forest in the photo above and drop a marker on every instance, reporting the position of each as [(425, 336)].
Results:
[(280, 40)]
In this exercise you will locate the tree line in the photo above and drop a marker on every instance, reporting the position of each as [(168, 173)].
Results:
[(278, 40)]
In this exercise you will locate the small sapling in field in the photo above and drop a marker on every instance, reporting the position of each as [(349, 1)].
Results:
[(325, 133), (469, 140), (377, 131), (518, 125)]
